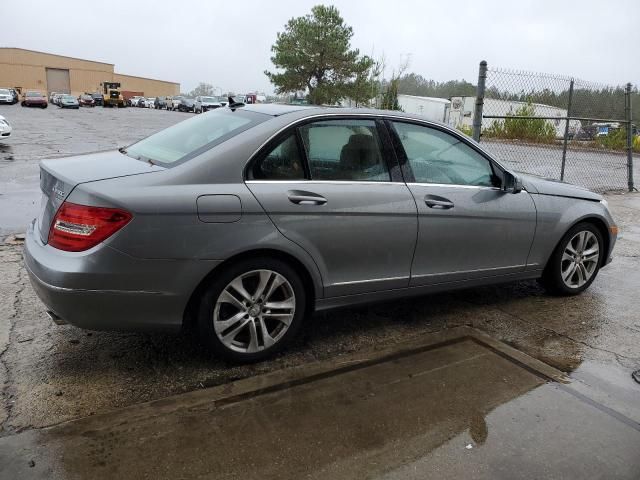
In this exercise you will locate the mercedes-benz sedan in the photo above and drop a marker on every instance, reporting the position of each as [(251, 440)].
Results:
[(244, 220)]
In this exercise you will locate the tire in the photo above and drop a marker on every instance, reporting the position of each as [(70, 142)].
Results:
[(245, 340), (569, 271), (23, 104)]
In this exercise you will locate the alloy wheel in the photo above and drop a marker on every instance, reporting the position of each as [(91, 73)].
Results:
[(254, 311), (580, 259)]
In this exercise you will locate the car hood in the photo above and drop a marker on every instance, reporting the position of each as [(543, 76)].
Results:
[(549, 186)]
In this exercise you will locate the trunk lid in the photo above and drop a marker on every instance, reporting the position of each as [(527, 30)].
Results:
[(58, 177)]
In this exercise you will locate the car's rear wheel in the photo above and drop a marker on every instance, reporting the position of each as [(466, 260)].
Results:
[(252, 309), (575, 262)]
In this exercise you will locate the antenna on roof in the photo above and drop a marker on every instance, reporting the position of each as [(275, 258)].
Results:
[(233, 104)]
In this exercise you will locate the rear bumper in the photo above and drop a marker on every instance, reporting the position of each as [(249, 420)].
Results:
[(104, 289)]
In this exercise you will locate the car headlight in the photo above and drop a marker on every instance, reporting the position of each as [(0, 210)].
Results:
[(4, 122), (604, 202)]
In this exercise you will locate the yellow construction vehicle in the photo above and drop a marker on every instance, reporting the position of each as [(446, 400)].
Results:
[(112, 96)]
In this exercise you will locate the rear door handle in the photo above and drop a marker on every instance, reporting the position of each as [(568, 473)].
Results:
[(300, 197), (439, 204)]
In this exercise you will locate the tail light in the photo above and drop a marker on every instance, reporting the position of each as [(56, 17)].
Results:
[(78, 227)]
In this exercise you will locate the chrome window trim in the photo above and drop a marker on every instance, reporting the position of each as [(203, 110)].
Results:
[(329, 115), (324, 182), (456, 185)]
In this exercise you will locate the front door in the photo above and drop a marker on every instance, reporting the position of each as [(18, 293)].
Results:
[(327, 187), (468, 227)]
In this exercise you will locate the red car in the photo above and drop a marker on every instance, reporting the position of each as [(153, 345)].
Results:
[(34, 99), (86, 101)]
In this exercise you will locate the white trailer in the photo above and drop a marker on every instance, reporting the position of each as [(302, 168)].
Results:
[(461, 113), (429, 107)]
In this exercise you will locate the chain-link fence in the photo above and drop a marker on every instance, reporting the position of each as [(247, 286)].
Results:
[(558, 127)]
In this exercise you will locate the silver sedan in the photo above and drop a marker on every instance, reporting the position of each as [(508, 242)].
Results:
[(242, 221)]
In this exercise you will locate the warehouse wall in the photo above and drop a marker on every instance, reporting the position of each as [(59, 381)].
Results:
[(27, 69), (150, 87), (18, 56)]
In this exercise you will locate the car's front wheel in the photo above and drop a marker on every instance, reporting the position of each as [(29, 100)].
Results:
[(575, 263), (252, 309)]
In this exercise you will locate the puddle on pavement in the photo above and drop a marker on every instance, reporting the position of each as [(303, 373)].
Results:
[(6, 153), (455, 408)]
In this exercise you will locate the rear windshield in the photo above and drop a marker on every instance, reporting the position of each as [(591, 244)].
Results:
[(190, 138)]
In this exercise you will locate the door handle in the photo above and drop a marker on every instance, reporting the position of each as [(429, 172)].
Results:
[(305, 198), (440, 204)]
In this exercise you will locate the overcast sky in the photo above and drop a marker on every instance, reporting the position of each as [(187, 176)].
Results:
[(227, 43)]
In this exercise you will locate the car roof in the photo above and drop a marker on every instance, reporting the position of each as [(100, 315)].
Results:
[(301, 111), (275, 109)]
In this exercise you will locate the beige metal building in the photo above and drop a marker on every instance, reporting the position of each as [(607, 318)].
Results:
[(46, 72)]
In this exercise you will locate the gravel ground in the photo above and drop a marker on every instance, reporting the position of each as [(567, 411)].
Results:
[(49, 373)]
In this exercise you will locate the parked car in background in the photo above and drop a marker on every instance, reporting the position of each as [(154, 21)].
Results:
[(133, 101), (16, 95), (86, 100), (160, 103), (56, 98), (34, 98), (202, 104), (97, 98), (150, 102), (5, 128), (68, 101), (290, 195), (52, 96), (6, 96), (174, 102), (186, 104)]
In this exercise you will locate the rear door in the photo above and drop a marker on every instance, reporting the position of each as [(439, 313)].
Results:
[(333, 186), (468, 227)]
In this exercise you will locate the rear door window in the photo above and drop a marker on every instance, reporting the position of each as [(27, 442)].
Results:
[(282, 162), (344, 150)]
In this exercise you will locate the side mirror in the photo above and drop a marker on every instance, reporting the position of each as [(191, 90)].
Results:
[(511, 183)]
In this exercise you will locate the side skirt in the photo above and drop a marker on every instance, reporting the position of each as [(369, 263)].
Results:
[(388, 295)]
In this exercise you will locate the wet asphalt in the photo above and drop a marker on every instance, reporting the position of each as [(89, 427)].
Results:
[(53, 374)]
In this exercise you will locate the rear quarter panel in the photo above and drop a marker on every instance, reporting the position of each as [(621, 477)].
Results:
[(166, 224)]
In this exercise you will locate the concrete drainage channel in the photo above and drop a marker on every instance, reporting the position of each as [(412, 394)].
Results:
[(450, 403)]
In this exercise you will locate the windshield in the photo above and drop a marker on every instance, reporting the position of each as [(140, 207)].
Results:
[(187, 139), (4, 92), (68, 97), (33, 94), (208, 99)]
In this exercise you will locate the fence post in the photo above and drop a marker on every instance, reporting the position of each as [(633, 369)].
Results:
[(628, 118), (477, 113), (566, 131)]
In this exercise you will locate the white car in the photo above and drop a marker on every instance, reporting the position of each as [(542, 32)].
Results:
[(5, 96), (133, 101), (5, 128), (204, 103), (149, 102)]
